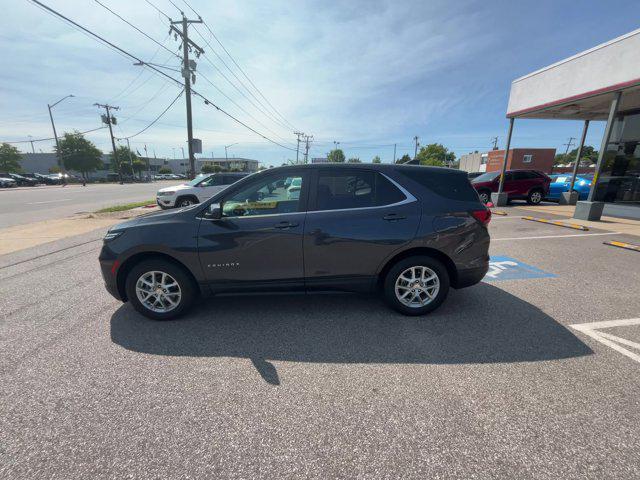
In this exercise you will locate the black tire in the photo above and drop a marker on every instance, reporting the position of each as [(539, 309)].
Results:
[(485, 196), (186, 201), (187, 288), (535, 196), (417, 261)]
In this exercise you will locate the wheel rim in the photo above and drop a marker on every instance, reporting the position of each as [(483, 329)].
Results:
[(185, 203), (536, 197), (417, 286), (158, 291)]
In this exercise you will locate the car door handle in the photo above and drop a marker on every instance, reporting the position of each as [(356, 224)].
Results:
[(393, 217), (283, 225)]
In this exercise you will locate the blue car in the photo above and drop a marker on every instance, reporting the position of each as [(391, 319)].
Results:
[(560, 183)]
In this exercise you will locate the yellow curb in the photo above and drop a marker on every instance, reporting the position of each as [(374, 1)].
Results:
[(627, 246), (574, 226), (499, 212)]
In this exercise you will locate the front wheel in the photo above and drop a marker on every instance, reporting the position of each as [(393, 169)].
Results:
[(159, 289), (185, 202), (534, 197), (416, 285)]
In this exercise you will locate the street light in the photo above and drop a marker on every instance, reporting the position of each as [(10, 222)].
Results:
[(225, 150), (53, 125)]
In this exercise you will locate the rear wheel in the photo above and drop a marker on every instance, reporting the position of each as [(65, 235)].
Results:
[(160, 289), (534, 197), (416, 285), (485, 196)]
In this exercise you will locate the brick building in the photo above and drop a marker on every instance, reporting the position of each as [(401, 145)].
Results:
[(523, 158)]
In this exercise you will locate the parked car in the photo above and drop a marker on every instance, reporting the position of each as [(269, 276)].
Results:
[(293, 192), (48, 179), (560, 183), (196, 191), (408, 231), (529, 185), (7, 182), (21, 180), (472, 175)]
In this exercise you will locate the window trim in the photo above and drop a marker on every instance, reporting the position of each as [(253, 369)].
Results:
[(409, 198)]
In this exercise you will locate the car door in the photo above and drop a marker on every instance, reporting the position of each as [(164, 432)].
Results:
[(258, 242), (356, 218)]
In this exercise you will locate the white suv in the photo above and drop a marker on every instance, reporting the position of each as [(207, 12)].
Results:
[(197, 190)]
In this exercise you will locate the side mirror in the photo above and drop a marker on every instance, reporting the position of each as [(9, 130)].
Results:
[(214, 211)]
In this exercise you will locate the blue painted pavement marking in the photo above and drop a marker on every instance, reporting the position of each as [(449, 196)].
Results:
[(507, 268)]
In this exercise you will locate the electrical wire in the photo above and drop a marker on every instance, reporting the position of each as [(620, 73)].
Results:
[(158, 10), (126, 54), (156, 119), (53, 138)]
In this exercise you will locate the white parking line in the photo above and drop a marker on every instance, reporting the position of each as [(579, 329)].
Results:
[(608, 339), (51, 201), (555, 236)]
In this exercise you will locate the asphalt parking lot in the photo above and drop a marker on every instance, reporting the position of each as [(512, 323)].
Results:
[(501, 382)]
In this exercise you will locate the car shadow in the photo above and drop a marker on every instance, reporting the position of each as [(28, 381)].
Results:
[(481, 324)]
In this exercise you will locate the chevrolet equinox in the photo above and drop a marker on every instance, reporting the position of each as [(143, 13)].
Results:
[(410, 232)]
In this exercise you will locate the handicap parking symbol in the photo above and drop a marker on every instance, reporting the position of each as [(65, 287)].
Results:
[(507, 268)]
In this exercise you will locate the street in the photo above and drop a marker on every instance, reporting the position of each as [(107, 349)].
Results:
[(498, 383), (33, 204)]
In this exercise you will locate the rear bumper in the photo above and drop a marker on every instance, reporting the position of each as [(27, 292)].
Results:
[(470, 276)]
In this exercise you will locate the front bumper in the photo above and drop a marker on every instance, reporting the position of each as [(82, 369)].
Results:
[(109, 269), (165, 202)]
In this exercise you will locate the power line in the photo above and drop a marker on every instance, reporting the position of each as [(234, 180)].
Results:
[(156, 119), (141, 62), (158, 10), (53, 138)]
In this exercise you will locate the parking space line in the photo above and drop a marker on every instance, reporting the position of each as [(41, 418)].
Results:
[(591, 329), (555, 236), (625, 245), (557, 223), (51, 201)]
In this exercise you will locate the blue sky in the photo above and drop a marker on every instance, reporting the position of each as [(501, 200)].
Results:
[(365, 73)]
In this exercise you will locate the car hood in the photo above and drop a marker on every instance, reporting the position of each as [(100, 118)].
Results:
[(175, 188), (151, 217)]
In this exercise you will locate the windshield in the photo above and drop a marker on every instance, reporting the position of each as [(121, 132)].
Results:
[(485, 177), (197, 180)]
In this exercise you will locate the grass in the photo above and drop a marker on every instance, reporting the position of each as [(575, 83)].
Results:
[(126, 206)]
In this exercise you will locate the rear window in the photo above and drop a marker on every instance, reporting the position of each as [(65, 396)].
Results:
[(453, 186), (486, 177)]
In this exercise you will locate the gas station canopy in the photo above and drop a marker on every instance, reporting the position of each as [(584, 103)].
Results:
[(581, 87)]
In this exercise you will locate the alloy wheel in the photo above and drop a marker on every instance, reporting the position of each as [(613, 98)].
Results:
[(158, 291), (417, 286)]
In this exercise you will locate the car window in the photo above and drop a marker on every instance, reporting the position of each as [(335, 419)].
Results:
[(338, 190), (521, 176), (561, 180), (448, 185), (264, 196), (212, 181), (486, 177)]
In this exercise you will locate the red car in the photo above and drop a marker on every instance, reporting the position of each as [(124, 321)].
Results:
[(529, 185)]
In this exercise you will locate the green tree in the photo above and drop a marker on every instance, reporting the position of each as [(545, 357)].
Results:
[(9, 158), (207, 168), (125, 161), (404, 159), (79, 154), (336, 156), (354, 160), (376, 159), (435, 154), (589, 155), (165, 170)]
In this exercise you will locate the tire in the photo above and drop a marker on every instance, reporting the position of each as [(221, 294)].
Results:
[(485, 196), (394, 286), (186, 201), (183, 294), (534, 197)]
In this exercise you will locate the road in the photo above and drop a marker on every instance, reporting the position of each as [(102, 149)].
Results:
[(495, 384), (26, 205)]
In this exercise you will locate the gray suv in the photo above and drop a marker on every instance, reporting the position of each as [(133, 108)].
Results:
[(409, 232)]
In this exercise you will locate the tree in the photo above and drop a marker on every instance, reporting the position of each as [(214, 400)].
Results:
[(354, 160), (336, 156), (164, 170), (376, 159), (207, 168), (79, 154), (589, 155), (9, 158), (126, 158), (435, 154), (404, 159)]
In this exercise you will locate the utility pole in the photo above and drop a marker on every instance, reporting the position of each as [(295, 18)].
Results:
[(298, 134), (109, 120), (394, 152), (188, 72), (336, 145), (568, 144), (146, 156), (53, 125), (415, 139), (130, 159), (307, 139), (495, 143), (33, 149)]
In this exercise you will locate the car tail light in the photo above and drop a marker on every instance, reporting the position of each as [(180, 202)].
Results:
[(483, 216)]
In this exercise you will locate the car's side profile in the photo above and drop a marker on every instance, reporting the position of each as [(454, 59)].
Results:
[(197, 190), (409, 231), (529, 185), (560, 183)]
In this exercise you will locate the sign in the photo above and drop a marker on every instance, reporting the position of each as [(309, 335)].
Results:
[(507, 268)]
